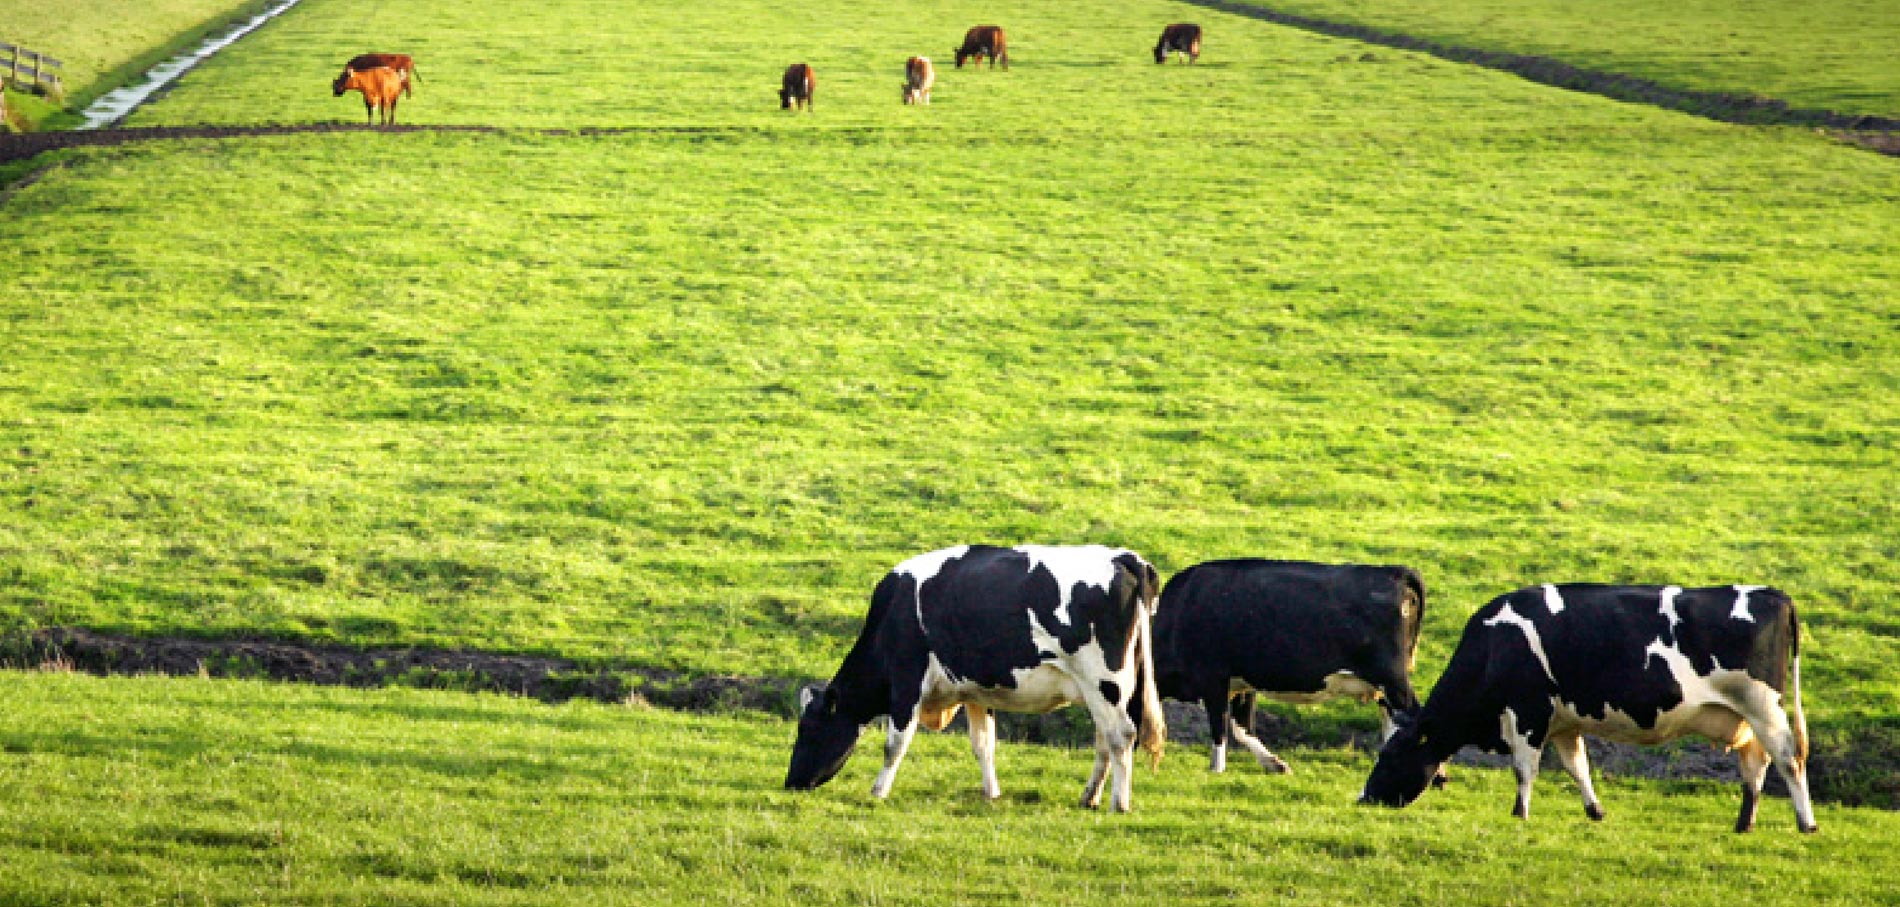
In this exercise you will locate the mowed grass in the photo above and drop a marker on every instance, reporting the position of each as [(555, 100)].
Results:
[(1829, 55), (136, 791), (676, 398), (101, 43)]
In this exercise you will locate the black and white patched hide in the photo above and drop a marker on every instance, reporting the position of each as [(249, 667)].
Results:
[(1031, 628), (1637, 664), (1292, 631)]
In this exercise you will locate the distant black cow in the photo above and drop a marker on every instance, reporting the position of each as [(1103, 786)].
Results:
[(1182, 38), (1638, 664), (796, 87), (1027, 629), (984, 41), (1289, 630)]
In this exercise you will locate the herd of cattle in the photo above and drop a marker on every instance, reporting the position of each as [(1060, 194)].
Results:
[(1034, 628), (383, 78)]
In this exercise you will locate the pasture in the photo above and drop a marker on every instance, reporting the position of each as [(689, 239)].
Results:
[(661, 376), (1828, 55), (154, 791)]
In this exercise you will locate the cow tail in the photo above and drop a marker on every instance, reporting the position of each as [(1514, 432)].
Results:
[(1415, 626), (1800, 720), (1152, 733)]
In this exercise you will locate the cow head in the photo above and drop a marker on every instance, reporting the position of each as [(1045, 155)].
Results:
[(1407, 763), (784, 99), (1161, 50), (342, 83), (826, 737)]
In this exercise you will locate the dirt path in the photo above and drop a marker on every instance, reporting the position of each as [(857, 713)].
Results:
[(1839, 770)]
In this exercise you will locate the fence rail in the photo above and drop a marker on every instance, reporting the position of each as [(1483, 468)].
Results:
[(30, 69)]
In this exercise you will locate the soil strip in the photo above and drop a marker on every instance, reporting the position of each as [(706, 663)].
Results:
[(1839, 769)]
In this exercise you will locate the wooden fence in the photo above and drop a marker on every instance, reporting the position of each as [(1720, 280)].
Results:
[(30, 70)]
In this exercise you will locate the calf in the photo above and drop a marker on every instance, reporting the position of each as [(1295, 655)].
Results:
[(984, 41), (1181, 37), (401, 63), (381, 88), (1291, 631), (795, 88), (919, 75), (1027, 629), (1638, 664)]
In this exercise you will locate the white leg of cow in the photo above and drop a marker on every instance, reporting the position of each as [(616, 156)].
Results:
[(1092, 791), (896, 743), (1114, 750), (1570, 752), (1754, 759), (1762, 709), (983, 744), (1524, 759), (1217, 757), (1261, 754)]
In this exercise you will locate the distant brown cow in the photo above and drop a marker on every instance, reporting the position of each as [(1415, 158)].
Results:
[(401, 63), (919, 75), (984, 41), (381, 88), (796, 87), (1181, 37)]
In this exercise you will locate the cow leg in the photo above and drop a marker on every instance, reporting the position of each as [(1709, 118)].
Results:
[(1114, 750), (1576, 761), (1771, 726), (369, 110), (896, 742), (1216, 705), (983, 744), (1524, 759), (1754, 759), (1240, 716)]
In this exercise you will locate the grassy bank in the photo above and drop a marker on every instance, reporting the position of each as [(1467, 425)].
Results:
[(146, 790), (105, 43), (1831, 55)]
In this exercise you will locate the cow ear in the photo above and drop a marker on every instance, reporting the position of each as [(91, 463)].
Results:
[(806, 694)]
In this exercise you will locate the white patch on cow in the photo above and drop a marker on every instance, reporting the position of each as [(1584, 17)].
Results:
[(1093, 565), (923, 567), (1508, 616), (1669, 594), (1552, 600), (1337, 684), (1741, 603)]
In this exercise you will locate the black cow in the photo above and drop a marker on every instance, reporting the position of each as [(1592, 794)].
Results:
[(1290, 630), (1639, 664), (1183, 38), (1026, 629), (984, 41)]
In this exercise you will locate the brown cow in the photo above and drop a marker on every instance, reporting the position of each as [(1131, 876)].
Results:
[(1181, 37), (381, 88), (984, 41), (796, 87), (919, 75), (402, 63)]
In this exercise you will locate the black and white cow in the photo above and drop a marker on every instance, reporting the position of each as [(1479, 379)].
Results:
[(1291, 631), (1637, 664), (1026, 629)]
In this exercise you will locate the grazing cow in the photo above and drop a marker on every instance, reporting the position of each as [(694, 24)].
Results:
[(1181, 37), (1026, 629), (381, 88), (919, 75), (984, 41), (401, 63), (796, 87), (1291, 631), (1638, 664)]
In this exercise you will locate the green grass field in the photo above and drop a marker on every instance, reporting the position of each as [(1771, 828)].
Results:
[(676, 396), (164, 791), (103, 43), (1828, 55)]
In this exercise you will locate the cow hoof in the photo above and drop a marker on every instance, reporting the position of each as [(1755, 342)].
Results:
[(1594, 811), (1276, 766), (1810, 829), (1742, 828)]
